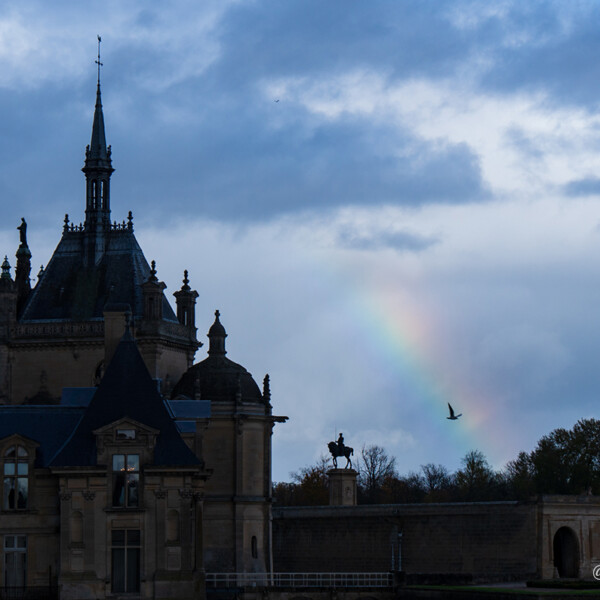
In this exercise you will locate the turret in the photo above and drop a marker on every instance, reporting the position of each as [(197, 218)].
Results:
[(185, 298), (216, 336), (152, 291), (8, 297)]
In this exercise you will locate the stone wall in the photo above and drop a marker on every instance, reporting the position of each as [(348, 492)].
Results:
[(491, 540)]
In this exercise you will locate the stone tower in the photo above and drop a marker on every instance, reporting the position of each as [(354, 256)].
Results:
[(56, 335), (236, 445)]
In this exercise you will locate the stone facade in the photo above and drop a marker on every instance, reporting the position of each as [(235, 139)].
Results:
[(127, 469)]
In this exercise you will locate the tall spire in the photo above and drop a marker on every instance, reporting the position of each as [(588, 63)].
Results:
[(97, 153), (97, 169)]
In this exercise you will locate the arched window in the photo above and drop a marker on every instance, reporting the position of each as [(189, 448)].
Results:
[(104, 195), (16, 478), (94, 193), (254, 544)]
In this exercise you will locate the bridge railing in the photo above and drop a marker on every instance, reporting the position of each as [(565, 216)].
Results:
[(299, 580)]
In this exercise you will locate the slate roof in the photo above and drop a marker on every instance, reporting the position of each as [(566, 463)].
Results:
[(217, 378), (126, 390), (49, 426), (70, 290)]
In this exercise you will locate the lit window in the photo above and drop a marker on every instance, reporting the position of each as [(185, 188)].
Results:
[(126, 560), (16, 478), (126, 479)]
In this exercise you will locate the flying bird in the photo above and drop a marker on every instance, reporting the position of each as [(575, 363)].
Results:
[(276, 100), (452, 416)]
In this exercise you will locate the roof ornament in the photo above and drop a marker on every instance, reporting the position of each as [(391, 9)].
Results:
[(217, 335), (97, 61), (5, 268), (66, 225), (185, 287), (153, 276), (129, 220), (23, 232), (40, 272), (267, 393)]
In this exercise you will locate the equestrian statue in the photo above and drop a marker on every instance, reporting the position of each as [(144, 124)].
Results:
[(339, 449)]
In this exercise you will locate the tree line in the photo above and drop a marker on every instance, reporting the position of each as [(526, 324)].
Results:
[(566, 461)]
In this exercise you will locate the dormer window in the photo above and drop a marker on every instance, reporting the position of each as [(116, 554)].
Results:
[(16, 478), (126, 480)]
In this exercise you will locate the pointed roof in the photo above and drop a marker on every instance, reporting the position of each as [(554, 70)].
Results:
[(126, 391), (70, 290), (98, 149)]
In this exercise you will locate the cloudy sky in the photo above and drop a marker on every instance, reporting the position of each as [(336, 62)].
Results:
[(395, 205)]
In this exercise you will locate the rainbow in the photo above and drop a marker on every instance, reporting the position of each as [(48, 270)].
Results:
[(406, 337)]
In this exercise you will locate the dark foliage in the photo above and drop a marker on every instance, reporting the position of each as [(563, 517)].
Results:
[(566, 461)]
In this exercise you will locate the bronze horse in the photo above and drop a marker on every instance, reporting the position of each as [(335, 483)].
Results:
[(343, 451)]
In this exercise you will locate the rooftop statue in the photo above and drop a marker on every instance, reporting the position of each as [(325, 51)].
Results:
[(23, 232), (339, 449)]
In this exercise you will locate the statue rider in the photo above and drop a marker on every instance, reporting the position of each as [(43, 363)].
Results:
[(340, 444)]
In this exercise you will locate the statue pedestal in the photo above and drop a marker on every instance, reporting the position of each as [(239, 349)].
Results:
[(342, 487)]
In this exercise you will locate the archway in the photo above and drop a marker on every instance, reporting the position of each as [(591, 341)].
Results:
[(566, 552)]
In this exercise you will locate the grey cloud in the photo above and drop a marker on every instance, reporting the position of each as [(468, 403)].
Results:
[(590, 186), (402, 241)]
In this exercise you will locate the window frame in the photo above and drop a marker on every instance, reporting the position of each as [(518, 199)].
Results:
[(121, 555), (125, 480), (14, 551), (20, 477)]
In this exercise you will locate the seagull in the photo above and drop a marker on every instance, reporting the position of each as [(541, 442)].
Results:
[(276, 100), (452, 416)]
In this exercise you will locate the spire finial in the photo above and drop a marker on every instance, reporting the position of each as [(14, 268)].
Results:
[(217, 313), (5, 268), (185, 287), (153, 276), (97, 61)]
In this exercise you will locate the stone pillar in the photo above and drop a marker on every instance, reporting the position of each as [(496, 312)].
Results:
[(342, 487)]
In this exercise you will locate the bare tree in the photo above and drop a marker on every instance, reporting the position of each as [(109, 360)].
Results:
[(436, 479), (375, 467)]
